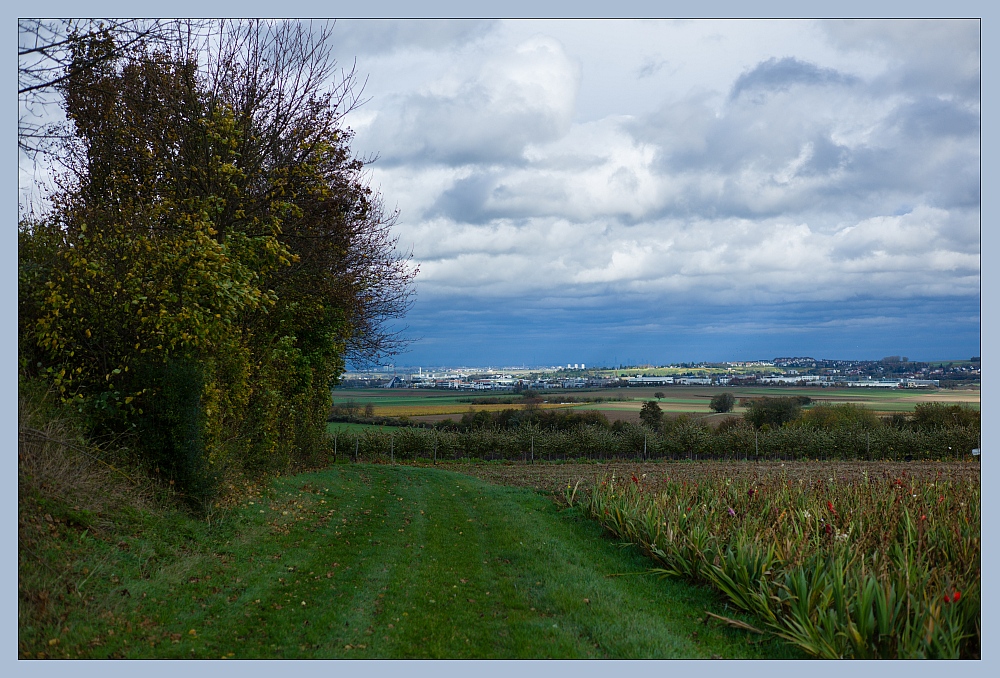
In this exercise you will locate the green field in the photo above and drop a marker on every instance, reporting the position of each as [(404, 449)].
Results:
[(677, 399), (362, 561)]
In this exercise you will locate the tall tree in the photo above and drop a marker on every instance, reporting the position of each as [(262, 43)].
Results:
[(651, 415), (214, 253), (44, 53)]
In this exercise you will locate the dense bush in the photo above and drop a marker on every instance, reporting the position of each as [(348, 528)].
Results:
[(531, 416), (846, 415), (773, 412), (722, 402), (212, 255), (937, 416)]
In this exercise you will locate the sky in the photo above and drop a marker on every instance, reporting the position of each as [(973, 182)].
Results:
[(628, 192), (612, 191)]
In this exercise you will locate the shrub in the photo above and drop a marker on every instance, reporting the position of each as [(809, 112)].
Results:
[(730, 423), (722, 402), (773, 412), (934, 416)]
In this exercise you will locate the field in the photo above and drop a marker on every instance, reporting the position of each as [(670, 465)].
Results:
[(432, 405), (358, 561), (488, 560), (555, 477), (500, 559), (840, 559), (886, 564)]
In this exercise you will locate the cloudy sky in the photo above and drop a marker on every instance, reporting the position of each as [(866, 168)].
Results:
[(655, 191)]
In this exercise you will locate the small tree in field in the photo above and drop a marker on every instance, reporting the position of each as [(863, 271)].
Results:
[(722, 402), (659, 395), (651, 415)]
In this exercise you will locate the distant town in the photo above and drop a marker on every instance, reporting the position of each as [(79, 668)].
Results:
[(892, 372)]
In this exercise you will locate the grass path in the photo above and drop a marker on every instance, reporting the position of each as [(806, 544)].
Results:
[(371, 561)]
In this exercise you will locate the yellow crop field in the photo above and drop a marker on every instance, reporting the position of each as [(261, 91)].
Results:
[(452, 408)]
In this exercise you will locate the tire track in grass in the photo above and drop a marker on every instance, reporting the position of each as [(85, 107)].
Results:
[(507, 547), (365, 561)]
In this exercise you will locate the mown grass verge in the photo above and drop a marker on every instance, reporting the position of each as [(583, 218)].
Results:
[(355, 561)]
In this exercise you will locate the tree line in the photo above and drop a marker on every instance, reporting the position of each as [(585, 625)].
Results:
[(843, 431)]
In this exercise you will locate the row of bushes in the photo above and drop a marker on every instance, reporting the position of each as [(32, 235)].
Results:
[(682, 440), (761, 413), (776, 412)]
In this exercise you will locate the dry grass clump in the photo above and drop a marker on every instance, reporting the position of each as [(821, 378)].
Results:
[(71, 499), (55, 463)]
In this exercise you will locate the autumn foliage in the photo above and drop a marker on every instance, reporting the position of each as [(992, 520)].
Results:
[(212, 254)]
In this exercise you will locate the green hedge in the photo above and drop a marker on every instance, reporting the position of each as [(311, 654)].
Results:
[(686, 440)]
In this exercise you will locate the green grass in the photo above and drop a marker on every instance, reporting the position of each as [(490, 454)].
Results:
[(363, 561)]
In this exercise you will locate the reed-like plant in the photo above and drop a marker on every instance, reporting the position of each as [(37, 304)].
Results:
[(882, 568)]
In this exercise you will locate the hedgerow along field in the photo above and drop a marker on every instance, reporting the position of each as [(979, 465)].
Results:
[(885, 565), (683, 439)]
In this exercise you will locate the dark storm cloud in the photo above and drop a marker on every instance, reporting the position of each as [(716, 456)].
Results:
[(927, 149), (934, 118), (927, 56), (625, 329), (465, 201), (778, 75)]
